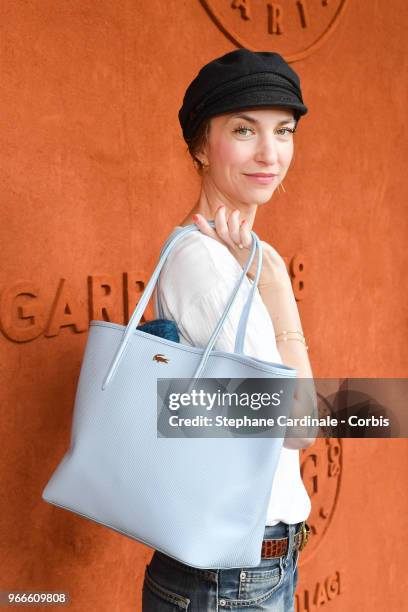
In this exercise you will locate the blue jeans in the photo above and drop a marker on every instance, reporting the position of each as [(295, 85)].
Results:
[(170, 585)]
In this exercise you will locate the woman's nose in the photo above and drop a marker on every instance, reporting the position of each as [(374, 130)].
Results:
[(267, 151)]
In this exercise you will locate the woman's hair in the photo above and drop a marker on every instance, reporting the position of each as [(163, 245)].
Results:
[(197, 142)]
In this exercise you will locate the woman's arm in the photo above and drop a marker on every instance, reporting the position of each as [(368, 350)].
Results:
[(281, 305), (276, 291)]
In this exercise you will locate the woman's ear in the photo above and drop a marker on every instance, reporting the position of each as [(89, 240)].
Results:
[(203, 152), (202, 156)]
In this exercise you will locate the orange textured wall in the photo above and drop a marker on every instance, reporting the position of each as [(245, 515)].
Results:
[(95, 174)]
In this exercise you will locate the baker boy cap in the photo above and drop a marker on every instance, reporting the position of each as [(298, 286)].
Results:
[(240, 79)]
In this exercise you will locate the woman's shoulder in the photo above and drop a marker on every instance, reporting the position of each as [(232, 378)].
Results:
[(196, 264), (195, 252)]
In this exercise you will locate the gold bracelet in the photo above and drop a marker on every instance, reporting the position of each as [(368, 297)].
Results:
[(283, 333), (298, 339)]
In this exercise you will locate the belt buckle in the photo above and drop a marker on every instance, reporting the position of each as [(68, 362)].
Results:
[(305, 529)]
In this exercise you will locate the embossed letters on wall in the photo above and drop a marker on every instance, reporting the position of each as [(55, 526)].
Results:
[(293, 28), (25, 313)]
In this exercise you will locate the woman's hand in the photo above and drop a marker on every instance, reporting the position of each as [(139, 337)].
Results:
[(232, 232)]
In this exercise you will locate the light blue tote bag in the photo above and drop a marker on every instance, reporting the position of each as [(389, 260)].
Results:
[(202, 501)]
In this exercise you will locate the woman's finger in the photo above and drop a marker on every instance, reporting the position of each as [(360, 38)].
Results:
[(233, 226), (245, 234), (204, 226), (222, 228)]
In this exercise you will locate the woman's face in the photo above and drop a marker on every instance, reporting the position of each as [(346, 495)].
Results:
[(247, 142)]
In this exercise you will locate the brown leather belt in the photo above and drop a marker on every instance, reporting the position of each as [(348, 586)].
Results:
[(279, 547)]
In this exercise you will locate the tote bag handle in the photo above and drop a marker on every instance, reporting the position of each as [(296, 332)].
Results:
[(141, 306), (240, 336)]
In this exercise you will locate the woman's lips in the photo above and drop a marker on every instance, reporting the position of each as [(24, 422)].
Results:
[(263, 179)]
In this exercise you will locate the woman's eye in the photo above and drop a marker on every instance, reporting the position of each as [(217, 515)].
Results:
[(242, 128), (284, 130)]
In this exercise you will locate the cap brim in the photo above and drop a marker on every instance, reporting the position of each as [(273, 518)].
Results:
[(256, 99)]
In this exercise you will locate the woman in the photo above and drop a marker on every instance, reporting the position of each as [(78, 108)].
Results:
[(238, 118)]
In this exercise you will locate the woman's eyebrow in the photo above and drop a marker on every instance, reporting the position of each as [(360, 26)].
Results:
[(255, 121)]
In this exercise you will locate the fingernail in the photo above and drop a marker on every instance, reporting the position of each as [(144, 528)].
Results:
[(241, 246), (195, 217)]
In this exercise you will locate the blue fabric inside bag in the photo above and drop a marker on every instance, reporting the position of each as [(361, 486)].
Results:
[(165, 328)]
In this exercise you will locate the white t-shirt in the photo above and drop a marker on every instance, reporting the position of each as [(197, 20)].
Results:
[(196, 281)]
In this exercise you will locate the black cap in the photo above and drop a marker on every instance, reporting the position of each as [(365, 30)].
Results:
[(237, 80)]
